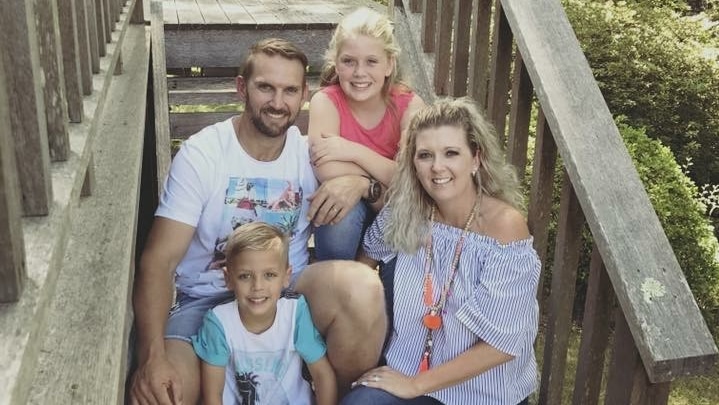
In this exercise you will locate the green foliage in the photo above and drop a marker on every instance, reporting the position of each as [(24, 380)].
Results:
[(682, 217), (659, 71)]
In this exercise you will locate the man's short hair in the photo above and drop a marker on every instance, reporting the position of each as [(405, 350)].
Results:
[(271, 47), (257, 236)]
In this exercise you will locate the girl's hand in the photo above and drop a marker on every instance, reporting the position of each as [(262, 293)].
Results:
[(390, 380), (330, 148)]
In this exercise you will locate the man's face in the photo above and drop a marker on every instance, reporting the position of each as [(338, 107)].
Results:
[(273, 94)]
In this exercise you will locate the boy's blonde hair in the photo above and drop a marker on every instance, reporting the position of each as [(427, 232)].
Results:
[(258, 237)]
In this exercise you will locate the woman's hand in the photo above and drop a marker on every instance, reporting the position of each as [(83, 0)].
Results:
[(331, 147), (390, 380)]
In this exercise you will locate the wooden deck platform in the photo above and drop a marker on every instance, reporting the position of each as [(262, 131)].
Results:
[(244, 14)]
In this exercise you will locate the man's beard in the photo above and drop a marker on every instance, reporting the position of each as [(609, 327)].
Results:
[(270, 131)]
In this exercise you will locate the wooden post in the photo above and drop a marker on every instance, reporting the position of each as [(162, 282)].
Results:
[(628, 382), (71, 59), (83, 42), (88, 184), (160, 94), (138, 14), (109, 21), (519, 115), (12, 246), (540, 201), (460, 52), (100, 26), (501, 62), (595, 333), (443, 53), (49, 47), (429, 25), (20, 56), (479, 52), (564, 276)]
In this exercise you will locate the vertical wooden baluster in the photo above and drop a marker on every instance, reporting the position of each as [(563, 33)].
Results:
[(595, 333), (501, 63), (519, 115), (479, 52), (564, 276)]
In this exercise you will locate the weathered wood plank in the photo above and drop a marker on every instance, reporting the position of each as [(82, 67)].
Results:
[(12, 246), (670, 333), (208, 47), (460, 52), (20, 55), (429, 26), (46, 16), (519, 116), (499, 76), (564, 276), (159, 91), (188, 12), (71, 59), (415, 6), (479, 52), (443, 55), (235, 12), (595, 333), (211, 90), (211, 12), (88, 185), (92, 36), (540, 201), (108, 20), (138, 13)]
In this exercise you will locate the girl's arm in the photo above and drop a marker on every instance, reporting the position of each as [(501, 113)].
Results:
[(324, 380), (212, 383)]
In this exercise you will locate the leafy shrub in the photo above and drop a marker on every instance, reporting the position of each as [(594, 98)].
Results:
[(657, 70), (682, 217)]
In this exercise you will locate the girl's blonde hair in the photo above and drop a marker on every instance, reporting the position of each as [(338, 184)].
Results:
[(363, 21), (410, 205)]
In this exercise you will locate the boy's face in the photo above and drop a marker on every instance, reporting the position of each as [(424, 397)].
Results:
[(257, 279)]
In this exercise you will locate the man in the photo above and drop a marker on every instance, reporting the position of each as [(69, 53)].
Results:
[(228, 174)]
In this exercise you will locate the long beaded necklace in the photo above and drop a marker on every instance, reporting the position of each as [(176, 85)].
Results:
[(433, 319)]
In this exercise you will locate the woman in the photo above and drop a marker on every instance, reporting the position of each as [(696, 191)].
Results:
[(356, 120), (465, 309)]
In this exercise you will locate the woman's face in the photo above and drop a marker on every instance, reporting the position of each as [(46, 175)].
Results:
[(444, 163), (362, 67)]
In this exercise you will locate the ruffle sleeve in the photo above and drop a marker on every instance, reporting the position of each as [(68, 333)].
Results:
[(503, 309), (373, 244)]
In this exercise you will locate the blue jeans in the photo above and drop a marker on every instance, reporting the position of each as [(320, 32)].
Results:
[(362, 395), (342, 240), (186, 315)]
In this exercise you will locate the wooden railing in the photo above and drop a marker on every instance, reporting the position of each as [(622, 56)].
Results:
[(58, 63), (532, 53)]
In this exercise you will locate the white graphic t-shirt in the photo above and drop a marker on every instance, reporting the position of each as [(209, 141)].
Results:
[(215, 186)]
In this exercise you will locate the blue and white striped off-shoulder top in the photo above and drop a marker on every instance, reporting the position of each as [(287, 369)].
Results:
[(493, 300)]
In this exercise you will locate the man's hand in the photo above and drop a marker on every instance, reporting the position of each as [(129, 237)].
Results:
[(335, 198), (156, 383)]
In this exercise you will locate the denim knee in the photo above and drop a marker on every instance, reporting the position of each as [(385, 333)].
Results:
[(341, 241), (361, 395)]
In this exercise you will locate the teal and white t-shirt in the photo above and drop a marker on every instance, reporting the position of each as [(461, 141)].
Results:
[(263, 368)]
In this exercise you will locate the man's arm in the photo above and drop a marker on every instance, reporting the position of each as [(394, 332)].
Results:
[(166, 245), (324, 380), (213, 384)]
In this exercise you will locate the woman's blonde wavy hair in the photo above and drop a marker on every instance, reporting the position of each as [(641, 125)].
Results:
[(363, 21), (410, 204)]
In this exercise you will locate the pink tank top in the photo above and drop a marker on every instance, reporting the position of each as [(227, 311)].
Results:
[(383, 138)]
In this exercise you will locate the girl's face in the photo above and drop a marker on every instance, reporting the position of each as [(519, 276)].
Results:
[(362, 67), (444, 164)]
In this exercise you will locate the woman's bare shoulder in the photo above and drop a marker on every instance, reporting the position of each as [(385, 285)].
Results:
[(503, 222)]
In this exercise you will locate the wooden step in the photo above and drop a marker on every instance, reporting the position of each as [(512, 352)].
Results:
[(24, 323), (83, 353)]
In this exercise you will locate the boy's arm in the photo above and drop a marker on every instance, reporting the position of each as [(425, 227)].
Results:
[(213, 383), (323, 377)]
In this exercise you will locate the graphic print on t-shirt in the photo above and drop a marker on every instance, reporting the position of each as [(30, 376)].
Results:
[(274, 201), (258, 377)]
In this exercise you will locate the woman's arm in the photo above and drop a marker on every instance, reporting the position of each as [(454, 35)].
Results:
[(474, 361), (213, 383), (324, 380)]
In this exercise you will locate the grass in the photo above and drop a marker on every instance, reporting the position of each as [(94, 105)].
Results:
[(698, 390)]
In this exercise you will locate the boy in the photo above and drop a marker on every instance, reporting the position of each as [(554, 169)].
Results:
[(252, 347)]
